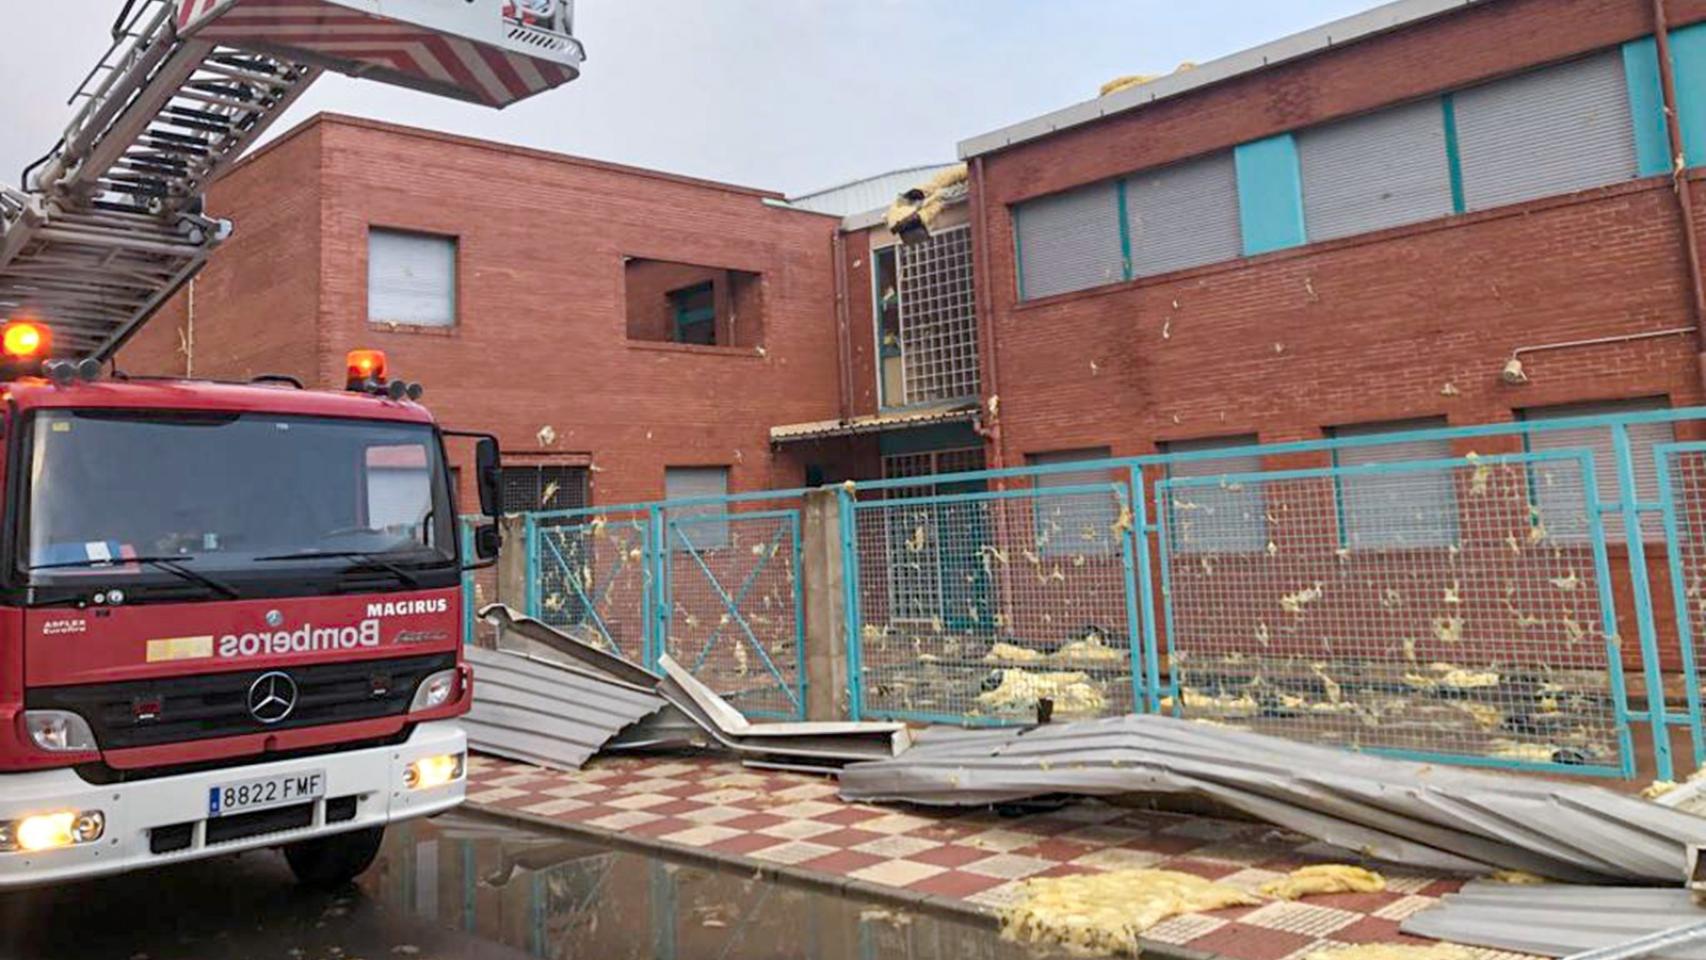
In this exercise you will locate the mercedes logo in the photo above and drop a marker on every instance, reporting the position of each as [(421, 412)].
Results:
[(275, 618), (272, 697)]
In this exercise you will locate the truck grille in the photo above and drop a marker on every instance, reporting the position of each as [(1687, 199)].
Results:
[(178, 709)]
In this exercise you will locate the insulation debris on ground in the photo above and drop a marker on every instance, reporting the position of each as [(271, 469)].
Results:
[(1019, 689), (1106, 913), (1322, 879)]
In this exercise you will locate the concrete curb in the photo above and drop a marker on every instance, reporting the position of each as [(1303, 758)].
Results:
[(950, 908)]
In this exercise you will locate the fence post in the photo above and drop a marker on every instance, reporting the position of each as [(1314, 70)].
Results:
[(516, 582), (656, 626), (850, 602), (1145, 585), (1629, 502), (826, 652)]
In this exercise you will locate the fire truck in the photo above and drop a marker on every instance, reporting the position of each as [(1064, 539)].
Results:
[(230, 613)]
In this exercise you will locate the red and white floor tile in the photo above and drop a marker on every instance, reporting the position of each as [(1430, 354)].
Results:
[(715, 804)]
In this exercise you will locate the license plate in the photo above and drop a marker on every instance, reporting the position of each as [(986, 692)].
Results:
[(264, 792)]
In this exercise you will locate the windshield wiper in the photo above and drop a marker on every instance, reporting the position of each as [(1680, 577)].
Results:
[(364, 560), (172, 565)]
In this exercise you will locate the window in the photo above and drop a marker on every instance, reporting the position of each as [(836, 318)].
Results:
[(411, 278), (891, 384), (1558, 494), (1069, 241), (670, 302), (938, 319), (1227, 517), (1401, 508), (527, 489), (689, 526), (1378, 171), (1547, 132), (695, 311), (1183, 216), (1076, 524)]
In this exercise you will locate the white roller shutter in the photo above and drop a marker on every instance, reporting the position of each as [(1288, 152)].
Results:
[(1548, 132), (1373, 172), (1074, 524), (1069, 241), (1185, 215), (1405, 508), (1560, 500), (1226, 517), (682, 483), (411, 278)]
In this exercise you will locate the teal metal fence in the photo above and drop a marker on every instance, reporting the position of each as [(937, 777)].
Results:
[(1522, 595), (715, 582)]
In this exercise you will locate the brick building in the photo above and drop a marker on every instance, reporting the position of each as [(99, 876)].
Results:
[(606, 323), (1350, 230)]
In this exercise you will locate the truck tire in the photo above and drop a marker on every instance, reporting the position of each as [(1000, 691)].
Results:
[(330, 862)]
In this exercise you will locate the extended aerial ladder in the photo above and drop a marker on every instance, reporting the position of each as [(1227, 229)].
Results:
[(107, 226)]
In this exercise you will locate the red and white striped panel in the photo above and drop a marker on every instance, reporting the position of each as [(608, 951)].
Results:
[(483, 73), (192, 12)]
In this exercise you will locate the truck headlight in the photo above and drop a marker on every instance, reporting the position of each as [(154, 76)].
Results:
[(433, 771), (60, 731), (435, 691), (50, 831)]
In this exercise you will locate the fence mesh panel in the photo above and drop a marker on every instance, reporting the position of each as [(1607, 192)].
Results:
[(1369, 619), (974, 607), (735, 618), (1685, 469), (593, 578)]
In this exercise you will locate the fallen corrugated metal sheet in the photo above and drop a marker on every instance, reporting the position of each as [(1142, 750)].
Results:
[(1555, 920), (829, 744), (510, 620), (833, 744), (1423, 814), (553, 715)]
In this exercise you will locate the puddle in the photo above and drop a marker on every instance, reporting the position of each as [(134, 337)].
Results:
[(464, 886)]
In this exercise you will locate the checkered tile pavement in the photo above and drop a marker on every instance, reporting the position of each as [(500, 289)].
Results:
[(715, 804)]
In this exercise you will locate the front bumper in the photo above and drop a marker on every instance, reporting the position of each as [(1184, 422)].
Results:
[(147, 816)]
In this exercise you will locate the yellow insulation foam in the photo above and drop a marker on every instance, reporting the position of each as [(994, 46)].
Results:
[(1105, 913), (1322, 879)]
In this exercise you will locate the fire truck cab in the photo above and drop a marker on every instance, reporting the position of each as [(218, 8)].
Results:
[(230, 617)]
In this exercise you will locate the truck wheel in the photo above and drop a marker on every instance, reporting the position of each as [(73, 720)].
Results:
[(329, 862)]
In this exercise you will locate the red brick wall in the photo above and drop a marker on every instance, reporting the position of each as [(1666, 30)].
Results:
[(861, 314), (1484, 41), (541, 333)]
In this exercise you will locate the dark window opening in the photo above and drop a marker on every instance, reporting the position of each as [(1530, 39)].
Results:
[(527, 489), (686, 303)]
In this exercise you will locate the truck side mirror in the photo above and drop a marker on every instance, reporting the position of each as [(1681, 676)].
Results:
[(488, 471), (488, 540)]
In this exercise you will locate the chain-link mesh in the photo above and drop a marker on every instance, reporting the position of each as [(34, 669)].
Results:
[(593, 578), (975, 607), (1419, 607), (735, 618), (1685, 481)]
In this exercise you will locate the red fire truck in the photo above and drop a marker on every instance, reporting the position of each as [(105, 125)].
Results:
[(230, 614)]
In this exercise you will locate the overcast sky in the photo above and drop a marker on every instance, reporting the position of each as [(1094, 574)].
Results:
[(789, 95)]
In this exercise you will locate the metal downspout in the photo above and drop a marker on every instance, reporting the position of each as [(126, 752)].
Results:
[(991, 414), (1679, 171), (843, 336)]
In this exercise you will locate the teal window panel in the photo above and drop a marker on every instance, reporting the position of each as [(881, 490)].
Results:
[(1270, 195), (1688, 49), (1647, 106)]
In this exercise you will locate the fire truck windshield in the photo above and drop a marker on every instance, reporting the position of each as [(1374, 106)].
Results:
[(229, 496)]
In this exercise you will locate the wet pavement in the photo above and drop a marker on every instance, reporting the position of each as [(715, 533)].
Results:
[(463, 886)]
